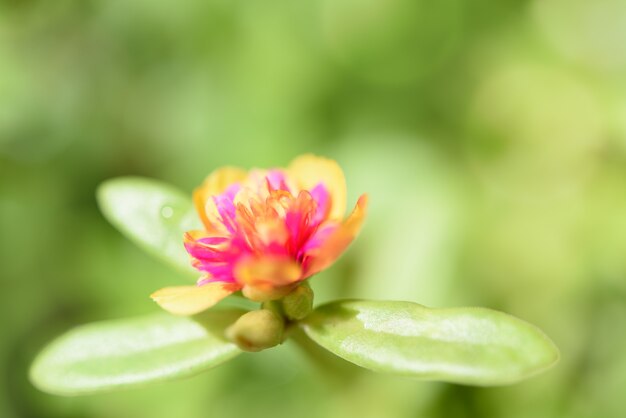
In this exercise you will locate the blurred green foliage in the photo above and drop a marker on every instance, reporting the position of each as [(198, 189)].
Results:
[(491, 136)]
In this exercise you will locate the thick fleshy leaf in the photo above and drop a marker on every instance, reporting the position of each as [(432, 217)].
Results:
[(462, 345), (109, 355), (152, 214)]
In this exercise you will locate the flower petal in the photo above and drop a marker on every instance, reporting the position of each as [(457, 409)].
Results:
[(267, 278), (274, 271), (215, 184), (190, 300), (308, 171), (322, 256)]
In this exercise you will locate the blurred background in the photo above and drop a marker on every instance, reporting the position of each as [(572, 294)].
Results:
[(491, 136)]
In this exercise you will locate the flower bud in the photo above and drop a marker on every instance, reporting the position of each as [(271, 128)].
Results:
[(299, 303), (256, 330)]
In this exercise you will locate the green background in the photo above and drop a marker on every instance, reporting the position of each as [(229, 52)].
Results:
[(490, 135)]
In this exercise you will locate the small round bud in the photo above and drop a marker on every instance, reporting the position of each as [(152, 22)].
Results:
[(256, 330), (299, 303)]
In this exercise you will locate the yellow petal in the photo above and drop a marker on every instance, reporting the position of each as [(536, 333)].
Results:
[(216, 183), (338, 241), (190, 300), (308, 170)]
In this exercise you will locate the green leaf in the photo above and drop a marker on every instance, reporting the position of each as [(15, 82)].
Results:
[(109, 355), (152, 214), (462, 345)]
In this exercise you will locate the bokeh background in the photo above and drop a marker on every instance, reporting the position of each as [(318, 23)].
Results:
[(490, 134)]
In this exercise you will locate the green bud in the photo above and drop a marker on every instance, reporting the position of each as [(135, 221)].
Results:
[(299, 303), (256, 330)]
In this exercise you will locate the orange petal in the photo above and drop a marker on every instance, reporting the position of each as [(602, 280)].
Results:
[(267, 278), (326, 254), (215, 184), (308, 170), (272, 271), (190, 300)]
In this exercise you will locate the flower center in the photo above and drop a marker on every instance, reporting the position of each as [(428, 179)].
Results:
[(265, 218)]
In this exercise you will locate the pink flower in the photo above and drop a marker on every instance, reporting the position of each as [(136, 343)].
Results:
[(265, 231)]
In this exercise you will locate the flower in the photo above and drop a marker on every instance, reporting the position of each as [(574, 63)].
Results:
[(265, 232)]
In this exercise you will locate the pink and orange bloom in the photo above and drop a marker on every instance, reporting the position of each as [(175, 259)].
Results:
[(265, 232)]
